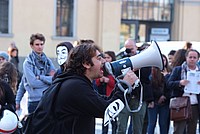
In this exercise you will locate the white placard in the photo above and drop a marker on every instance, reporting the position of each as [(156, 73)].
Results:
[(192, 86)]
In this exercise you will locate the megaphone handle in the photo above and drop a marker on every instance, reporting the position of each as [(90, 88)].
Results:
[(136, 84), (129, 89), (140, 102)]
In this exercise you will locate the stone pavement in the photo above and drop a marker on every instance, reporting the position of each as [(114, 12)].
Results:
[(99, 122)]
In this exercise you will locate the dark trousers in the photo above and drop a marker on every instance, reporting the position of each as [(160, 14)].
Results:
[(137, 118), (190, 125), (162, 113), (32, 106)]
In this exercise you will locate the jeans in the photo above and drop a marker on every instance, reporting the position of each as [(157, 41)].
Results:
[(163, 121), (137, 118), (32, 106), (144, 129)]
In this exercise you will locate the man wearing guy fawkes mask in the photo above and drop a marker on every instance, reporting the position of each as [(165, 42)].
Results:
[(137, 117), (62, 52)]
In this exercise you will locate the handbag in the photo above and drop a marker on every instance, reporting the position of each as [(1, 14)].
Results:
[(180, 108)]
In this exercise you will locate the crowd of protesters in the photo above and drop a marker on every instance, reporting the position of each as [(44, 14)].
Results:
[(159, 86)]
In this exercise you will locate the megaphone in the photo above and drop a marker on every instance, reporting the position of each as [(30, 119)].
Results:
[(149, 57)]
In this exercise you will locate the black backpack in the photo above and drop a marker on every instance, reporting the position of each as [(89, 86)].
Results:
[(43, 117)]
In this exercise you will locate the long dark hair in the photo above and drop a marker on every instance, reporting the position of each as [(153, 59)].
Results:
[(179, 58), (112, 55), (157, 78), (2, 93), (166, 66), (8, 73)]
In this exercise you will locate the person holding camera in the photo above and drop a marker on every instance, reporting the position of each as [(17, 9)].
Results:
[(130, 50), (137, 118)]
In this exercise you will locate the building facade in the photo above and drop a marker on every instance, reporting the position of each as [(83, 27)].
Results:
[(108, 22)]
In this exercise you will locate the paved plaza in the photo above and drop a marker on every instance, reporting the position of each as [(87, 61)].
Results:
[(98, 120)]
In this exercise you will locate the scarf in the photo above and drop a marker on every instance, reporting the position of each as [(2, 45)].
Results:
[(185, 69), (41, 62)]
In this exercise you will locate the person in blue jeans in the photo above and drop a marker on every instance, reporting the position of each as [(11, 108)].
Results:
[(38, 71), (160, 100)]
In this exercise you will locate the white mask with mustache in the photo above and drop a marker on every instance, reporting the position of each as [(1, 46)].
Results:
[(62, 54)]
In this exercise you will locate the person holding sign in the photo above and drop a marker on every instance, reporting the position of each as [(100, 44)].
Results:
[(184, 81)]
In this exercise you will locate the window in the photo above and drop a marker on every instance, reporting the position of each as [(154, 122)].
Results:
[(65, 18), (147, 10), (4, 16)]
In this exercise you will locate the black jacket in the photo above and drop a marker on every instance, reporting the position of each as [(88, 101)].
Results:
[(144, 75), (157, 92), (75, 108), (173, 82), (7, 101)]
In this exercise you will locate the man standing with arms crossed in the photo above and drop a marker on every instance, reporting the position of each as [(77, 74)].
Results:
[(38, 71)]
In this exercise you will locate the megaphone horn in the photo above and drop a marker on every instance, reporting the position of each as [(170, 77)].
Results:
[(149, 57)]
